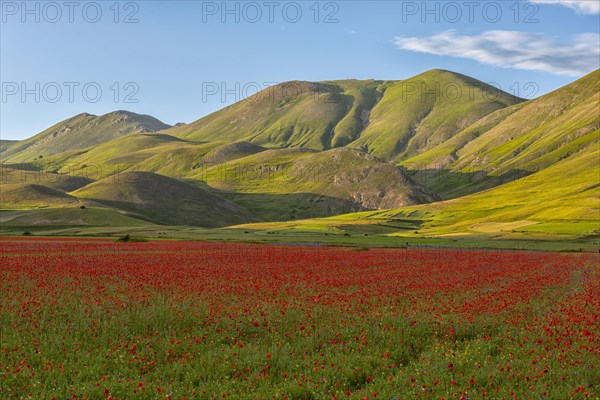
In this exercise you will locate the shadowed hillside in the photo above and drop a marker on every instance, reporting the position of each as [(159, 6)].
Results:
[(163, 200), (299, 183)]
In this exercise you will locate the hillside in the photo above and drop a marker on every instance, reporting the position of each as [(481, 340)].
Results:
[(419, 113), (6, 145), (550, 203), (389, 119), (163, 200), (298, 183), (80, 132), (31, 195), (514, 142), (120, 154), (27, 187)]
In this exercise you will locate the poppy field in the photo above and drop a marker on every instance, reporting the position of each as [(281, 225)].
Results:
[(97, 319)]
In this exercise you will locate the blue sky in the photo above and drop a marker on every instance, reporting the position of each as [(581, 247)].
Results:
[(180, 60)]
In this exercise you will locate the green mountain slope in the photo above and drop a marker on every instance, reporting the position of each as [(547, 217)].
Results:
[(30, 188), (185, 161), (26, 176), (79, 132), (553, 202), (301, 151), (292, 114), (31, 195), (52, 219), (390, 119), (6, 145), (514, 142), (120, 154), (417, 114)]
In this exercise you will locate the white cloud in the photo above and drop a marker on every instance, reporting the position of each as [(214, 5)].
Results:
[(513, 49), (580, 6)]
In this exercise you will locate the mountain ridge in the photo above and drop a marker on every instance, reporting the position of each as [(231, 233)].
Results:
[(326, 149)]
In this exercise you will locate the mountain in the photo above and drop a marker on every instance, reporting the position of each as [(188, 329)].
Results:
[(440, 154), (514, 142), (553, 203), (80, 132), (280, 184), (163, 200), (389, 119)]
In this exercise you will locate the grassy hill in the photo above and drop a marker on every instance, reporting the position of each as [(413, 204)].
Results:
[(419, 113), (292, 114), (119, 155), (18, 196), (48, 221), (390, 119), (551, 203), (80, 132), (24, 187), (514, 142), (163, 200), (21, 174), (298, 183)]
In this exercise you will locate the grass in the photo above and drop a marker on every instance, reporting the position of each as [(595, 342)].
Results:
[(416, 114), (553, 206)]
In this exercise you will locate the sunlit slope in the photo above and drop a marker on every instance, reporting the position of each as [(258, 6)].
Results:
[(564, 194), (190, 161), (291, 114), (419, 113), (121, 154), (515, 141), (390, 119), (50, 219), (6, 145), (563, 199), (80, 132)]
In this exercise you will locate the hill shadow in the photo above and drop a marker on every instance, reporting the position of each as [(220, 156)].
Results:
[(452, 184), (289, 207)]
